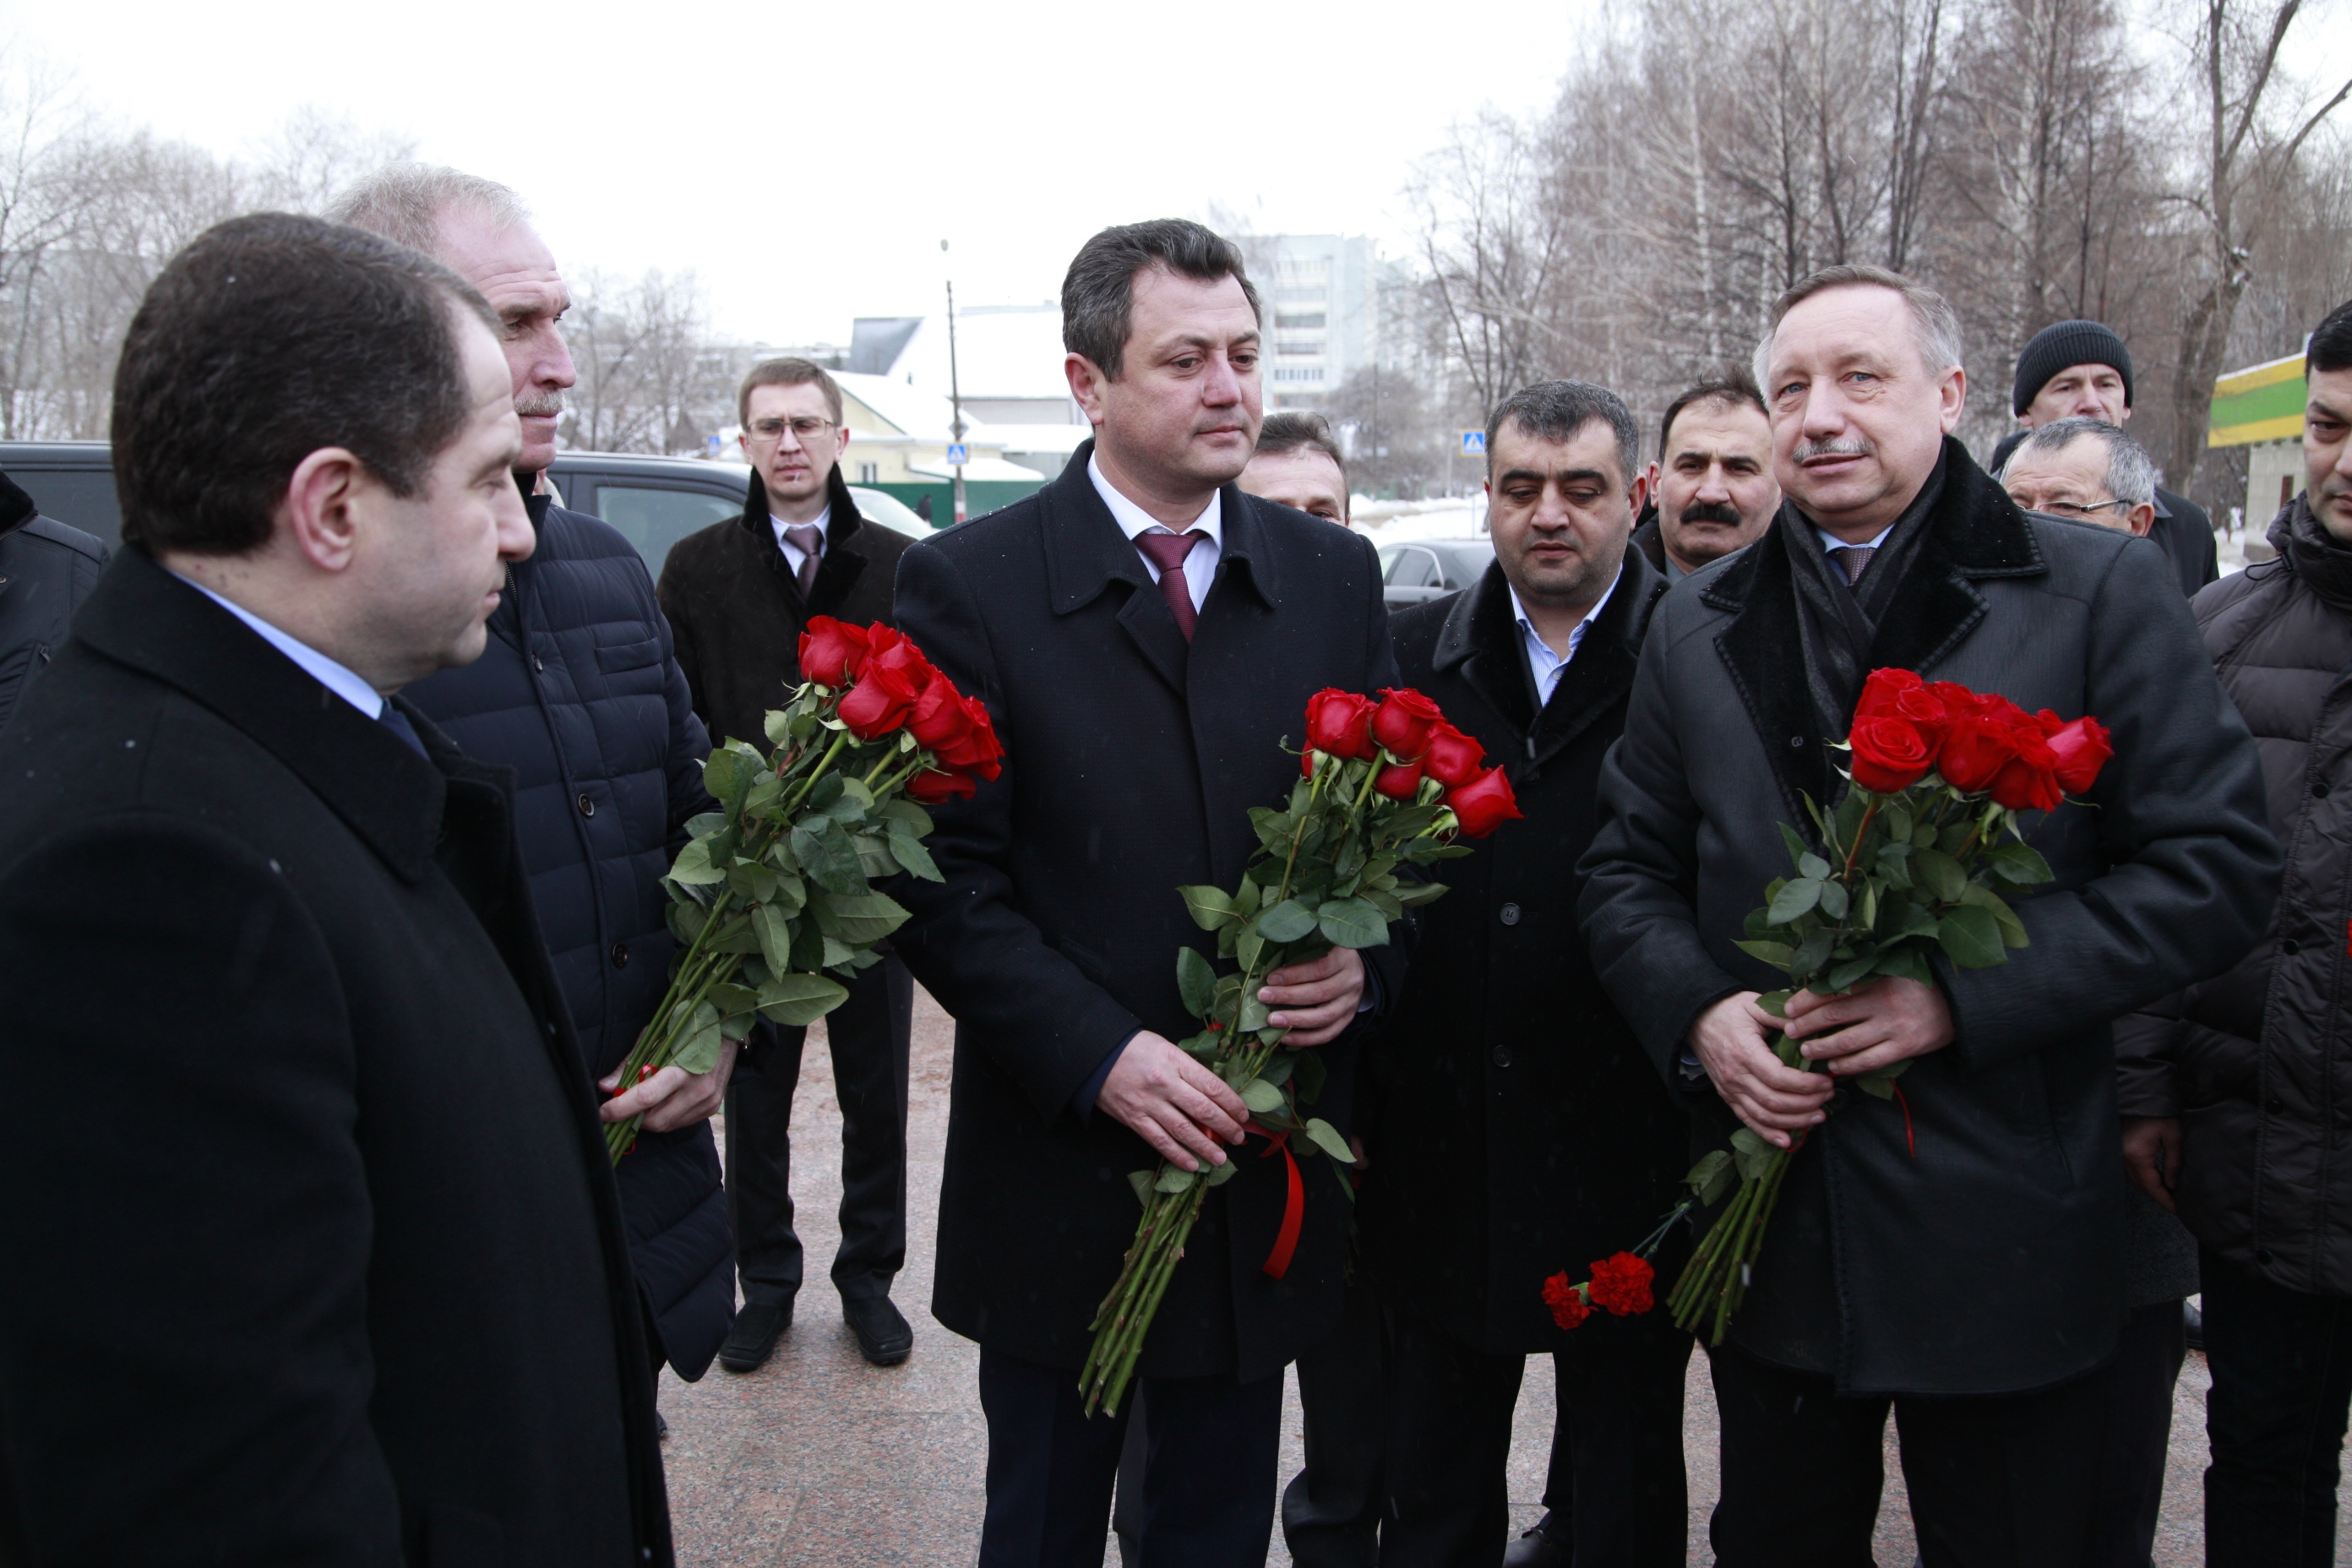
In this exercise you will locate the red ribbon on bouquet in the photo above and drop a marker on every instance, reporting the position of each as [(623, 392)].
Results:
[(1294, 1204)]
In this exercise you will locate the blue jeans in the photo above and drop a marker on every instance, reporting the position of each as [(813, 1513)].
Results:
[(2281, 1364)]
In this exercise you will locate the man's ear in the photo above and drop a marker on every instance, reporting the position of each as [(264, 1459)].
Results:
[(1954, 392), (2142, 518), (1640, 493), (323, 510), (1087, 380)]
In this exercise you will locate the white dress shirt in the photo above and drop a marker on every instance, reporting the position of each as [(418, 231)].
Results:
[(1541, 660), (326, 671), (1201, 565), (793, 555)]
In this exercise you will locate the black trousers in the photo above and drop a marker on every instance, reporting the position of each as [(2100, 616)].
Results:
[(870, 1035), (2282, 1364), (1331, 1508), (2140, 1436), (2003, 1481), (1208, 1480), (1622, 1489)]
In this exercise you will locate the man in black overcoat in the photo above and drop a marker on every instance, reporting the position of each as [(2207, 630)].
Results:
[(1958, 1252), (1529, 1134), (313, 1252), (739, 594), (1146, 637)]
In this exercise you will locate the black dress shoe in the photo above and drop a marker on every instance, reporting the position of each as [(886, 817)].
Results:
[(881, 1330), (753, 1338), (1539, 1548)]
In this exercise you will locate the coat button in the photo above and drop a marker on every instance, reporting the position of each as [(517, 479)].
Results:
[(2319, 791), (2263, 1255), (2290, 946), (587, 807), (539, 664), (1502, 1055), (1510, 914), (1796, 742), (620, 956)]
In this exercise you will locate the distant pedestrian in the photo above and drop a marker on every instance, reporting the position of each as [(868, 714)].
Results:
[(2243, 1080), (312, 1247), (1712, 490)]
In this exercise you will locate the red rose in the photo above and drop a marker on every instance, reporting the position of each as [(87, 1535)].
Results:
[(1341, 722), (1981, 740), (882, 697), (1485, 803), (1404, 720), (832, 652), (1569, 1307), (1399, 781), (1453, 757), (2029, 780), (1889, 755), (2081, 750), (1899, 694), (1622, 1284), (978, 751), (929, 788), (1880, 691), (939, 718)]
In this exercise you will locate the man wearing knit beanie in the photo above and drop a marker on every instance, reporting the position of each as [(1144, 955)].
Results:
[(2082, 367)]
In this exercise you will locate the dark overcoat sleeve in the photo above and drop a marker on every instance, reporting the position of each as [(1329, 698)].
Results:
[(686, 655), (969, 943), (185, 1360)]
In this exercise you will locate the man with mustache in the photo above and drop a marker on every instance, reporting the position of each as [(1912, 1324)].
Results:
[(578, 693), (1711, 489), (1957, 1256)]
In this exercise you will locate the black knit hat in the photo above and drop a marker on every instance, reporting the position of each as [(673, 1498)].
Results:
[(2064, 343)]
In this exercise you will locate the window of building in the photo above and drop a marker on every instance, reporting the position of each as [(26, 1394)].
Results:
[(1301, 296), (1300, 373), (1297, 347), (869, 473), (1300, 323)]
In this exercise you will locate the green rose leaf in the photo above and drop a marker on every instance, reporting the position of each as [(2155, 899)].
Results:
[(1253, 1016), (1263, 1097), (1196, 981), (1775, 954), (1906, 962), (1208, 907), (911, 854), (1796, 845), (723, 773), (1852, 970), (1326, 1138), (1412, 893), (825, 853), (2019, 863), (1174, 1179), (2013, 930), (1834, 901), (1752, 1154), (1882, 1082), (1353, 922), (1795, 898), (751, 880), (1970, 938), (1220, 1174), (862, 919), (1286, 921), (1812, 865), (1711, 1177), (800, 999), (1141, 1181), (1812, 953), (694, 867), (697, 1048), (775, 937), (1940, 873)]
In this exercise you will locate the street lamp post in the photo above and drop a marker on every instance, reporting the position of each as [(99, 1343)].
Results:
[(955, 396)]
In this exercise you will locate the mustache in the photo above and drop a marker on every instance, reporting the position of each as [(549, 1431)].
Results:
[(1711, 512), (539, 403), (1853, 447)]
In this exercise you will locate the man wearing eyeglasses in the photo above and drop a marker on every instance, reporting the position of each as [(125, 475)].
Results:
[(2086, 470), (738, 595)]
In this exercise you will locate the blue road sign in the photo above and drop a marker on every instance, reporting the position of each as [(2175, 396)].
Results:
[(1473, 443), (958, 454)]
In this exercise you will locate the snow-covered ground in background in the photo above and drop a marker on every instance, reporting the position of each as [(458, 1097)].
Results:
[(1388, 521)]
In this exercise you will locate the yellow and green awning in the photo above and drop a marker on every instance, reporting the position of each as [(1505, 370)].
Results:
[(2261, 403)]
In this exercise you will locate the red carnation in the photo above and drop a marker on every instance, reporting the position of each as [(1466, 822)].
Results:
[(1485, 803), (1569, 1307), (1404, 720), (1453, 757), (2081, 749), (1622, 1284), (832, 652), (1341, 722), (930, 788), (1889, 755), (1399, 781)]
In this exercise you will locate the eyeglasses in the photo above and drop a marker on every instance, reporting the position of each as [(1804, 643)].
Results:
[(2078, 511), (807, 428)]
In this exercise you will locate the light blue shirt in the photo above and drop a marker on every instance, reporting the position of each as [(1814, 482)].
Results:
[(1542, 661), (1201, 565), (326, 671), (1831, 543)]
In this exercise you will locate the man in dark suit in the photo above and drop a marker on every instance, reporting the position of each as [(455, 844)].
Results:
[(337, 1272), (1960, 1254), (737, 595), (1527, 1132), (1146, 636)]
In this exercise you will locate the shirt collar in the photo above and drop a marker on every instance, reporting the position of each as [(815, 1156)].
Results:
[(1830, 542), (1576, 635), (334, 676), (821, 523), (1133, 519)]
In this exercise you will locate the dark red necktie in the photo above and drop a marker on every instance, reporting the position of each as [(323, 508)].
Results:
[(1167, 552)]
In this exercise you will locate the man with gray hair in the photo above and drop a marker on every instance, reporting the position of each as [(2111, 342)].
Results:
[(578, 692), (1955, 1255), (2085, 469)]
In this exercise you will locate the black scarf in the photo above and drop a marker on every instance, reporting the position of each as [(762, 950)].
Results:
[(2317, 556), (1838, 622)]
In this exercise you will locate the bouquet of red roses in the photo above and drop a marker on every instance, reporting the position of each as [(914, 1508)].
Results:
[(1913, 862), (1382, 785), (772, 896)]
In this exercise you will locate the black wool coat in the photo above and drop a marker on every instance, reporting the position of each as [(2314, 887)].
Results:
[(1132, 759), (737, 610), (314, 1250), (46, 570), (576, 692), (1526, 1131), (1991, 1261)]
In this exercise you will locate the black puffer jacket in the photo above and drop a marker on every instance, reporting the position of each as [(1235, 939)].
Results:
[(577, 693), (45, 571), (2258, 1063)]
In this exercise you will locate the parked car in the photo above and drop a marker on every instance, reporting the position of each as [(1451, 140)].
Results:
[(1415, 571), (654, 501)]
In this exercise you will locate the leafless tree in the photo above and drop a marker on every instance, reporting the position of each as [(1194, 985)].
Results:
[(649, 379)]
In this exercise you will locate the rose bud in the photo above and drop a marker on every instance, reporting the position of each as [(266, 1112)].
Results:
[(2080, 749), (880, 700), (1399, 781), (1403, 723), (832, 653), (1485, 803), (931, 788), (1453, 757), (1883, 689), (1341, 722), (1889, 755)]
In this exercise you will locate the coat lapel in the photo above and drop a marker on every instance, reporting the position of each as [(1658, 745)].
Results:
[(1978, 531), (1765, 655), (1481, 638), (1601, 673), (1085, 553)]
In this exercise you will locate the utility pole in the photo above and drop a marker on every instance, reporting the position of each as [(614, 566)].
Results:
[(955, 396)]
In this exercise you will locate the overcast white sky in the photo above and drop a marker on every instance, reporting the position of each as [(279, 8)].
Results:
[(808, 158)]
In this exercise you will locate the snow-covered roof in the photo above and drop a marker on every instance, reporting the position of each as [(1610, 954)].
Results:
[(1013, 351), (1063, 438), (979, 469)]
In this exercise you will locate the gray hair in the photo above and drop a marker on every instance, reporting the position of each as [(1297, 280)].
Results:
[(1556, 410), (1098, 291), (1935, 325), (2131, 475), (404, 203)]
